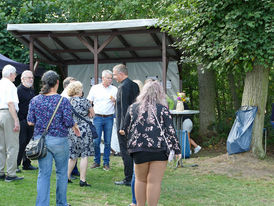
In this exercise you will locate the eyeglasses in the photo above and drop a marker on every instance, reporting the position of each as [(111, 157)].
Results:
[(28, 77)]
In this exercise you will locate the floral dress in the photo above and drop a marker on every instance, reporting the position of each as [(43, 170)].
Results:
[(81, 146)]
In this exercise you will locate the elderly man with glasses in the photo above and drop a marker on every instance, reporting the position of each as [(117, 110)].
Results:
[(25, 94)]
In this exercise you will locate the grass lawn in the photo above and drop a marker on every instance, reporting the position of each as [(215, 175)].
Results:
[(179, 187)]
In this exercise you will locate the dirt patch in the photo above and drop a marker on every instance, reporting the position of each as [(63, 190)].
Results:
[(243, 165)]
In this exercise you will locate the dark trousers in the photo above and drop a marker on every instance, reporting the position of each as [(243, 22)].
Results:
[(25, 135), (128, 161)]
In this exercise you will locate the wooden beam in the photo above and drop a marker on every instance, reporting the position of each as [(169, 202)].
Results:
[(102, 53), (106, 43), (124, 42), (118, 60), (31, 55), (96, 59), (155, 39), (111, 49), (85, 42), (49, 51), (58, 41), (24, 39)]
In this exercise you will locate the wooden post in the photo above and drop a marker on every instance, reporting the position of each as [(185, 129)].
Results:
[(95, 59), (164, 60), (31, 54)]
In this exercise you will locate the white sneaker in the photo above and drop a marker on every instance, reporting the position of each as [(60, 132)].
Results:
[(197, 149), (190, 152)]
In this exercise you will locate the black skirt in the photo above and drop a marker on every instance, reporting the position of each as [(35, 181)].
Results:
[(142, 157)]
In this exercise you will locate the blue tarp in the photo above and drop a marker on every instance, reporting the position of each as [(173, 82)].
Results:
[(183, 140), (19, 66), (240, 135)]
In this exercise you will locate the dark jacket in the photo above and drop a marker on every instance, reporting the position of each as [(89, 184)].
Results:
[(146, 136), (126, 95), (24, 95)]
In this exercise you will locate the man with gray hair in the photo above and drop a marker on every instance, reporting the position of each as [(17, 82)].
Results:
[(9, 125), (127, 93), (65, 84), (25, 94), (103, 97)]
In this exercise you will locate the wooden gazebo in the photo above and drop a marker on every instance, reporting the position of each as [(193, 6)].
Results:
[(123, 41)]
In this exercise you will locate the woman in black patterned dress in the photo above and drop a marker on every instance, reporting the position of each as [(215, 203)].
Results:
[(149, 128), (80, 147)]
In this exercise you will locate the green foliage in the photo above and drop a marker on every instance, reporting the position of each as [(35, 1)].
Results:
[(94, 10), (222, 34)]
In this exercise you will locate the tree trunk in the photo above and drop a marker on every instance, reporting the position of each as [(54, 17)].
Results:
[(233, 90), (255, 94), (207, 97), (218, 104)]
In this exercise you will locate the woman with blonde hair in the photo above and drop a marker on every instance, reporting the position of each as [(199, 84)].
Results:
[(147, 144), (80, 147)]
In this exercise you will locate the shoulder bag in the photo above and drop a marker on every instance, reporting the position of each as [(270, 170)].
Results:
[(37, 149)]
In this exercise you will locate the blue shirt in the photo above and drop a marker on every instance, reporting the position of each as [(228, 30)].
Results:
[(40, 111)]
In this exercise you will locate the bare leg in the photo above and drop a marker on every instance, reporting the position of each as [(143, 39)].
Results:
[(154, 180), (191, 142), (83, 168), (71, 165), (141, 172)]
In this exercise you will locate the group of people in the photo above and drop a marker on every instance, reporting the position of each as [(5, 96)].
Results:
[(144, 127), (15, 133)]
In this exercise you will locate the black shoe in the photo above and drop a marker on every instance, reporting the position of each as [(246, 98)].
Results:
[(30, 168), (2, 177), (69, 181), (84, 184), (10, 179), (123, 182)]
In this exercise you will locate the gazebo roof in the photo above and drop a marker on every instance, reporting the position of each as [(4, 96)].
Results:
[(114, 41)]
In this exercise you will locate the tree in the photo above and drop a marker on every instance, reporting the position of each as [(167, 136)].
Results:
[(229, 34), (207, 98)]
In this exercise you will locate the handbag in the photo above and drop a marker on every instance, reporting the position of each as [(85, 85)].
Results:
[(92, 127), (171, 152), (37, 149)]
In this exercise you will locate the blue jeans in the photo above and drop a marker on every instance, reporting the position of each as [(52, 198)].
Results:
[(103, 124), (133, 188), (58, 149)]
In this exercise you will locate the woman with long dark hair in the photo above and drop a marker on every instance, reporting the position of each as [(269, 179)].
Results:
[(147, 144), (40, 111)]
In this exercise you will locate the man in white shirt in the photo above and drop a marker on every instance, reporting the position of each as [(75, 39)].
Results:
[(103, 97), (9, 125)]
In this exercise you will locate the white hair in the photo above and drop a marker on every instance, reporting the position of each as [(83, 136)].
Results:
[(8, 70), (105, 72), (25, 72)]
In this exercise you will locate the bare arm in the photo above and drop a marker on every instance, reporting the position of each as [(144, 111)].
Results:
[(30, 124), (91, 111), (14, 116)]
